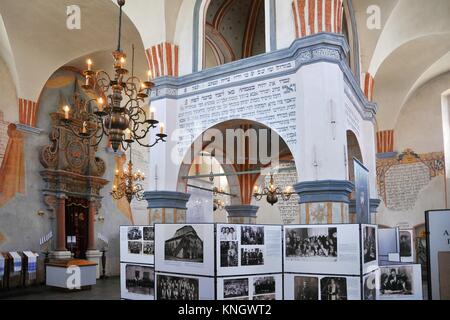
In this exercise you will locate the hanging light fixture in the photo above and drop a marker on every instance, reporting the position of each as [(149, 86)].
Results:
[(272, 192), (119, 111), (129, 185)]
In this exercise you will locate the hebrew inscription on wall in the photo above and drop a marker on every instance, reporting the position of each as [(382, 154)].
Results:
[(403, 184), (271, 102), (3, 137)]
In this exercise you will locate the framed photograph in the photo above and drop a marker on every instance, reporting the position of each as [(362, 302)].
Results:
[(183, 287), (306, 288), (185, 248), (323, 249), (369, 245), (400, 282), (137, 244), (248, 249), (406, 245), (321, 287), (137, 282), (362, 195), (437, 224), (235, 288), (263, 287), (369, 286)]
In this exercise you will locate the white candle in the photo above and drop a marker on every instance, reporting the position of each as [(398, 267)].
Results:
[(128, 134), (89, 63), (122, 62), (66, 110), (152, 113), (149, 75), (161, 128)]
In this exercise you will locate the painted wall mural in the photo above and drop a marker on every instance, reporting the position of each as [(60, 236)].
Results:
[(400, 179)]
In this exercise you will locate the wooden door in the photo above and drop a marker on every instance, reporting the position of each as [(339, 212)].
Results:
[(77, 225)]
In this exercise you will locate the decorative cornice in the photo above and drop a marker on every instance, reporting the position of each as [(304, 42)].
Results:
[(324, 191), (321, 47), (242, 210), (374, 204), (166, 199)]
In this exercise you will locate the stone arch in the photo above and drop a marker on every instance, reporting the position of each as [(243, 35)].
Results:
[(353, 151)]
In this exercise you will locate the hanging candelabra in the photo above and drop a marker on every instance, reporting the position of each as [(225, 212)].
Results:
[(272, 192), (119, 112)]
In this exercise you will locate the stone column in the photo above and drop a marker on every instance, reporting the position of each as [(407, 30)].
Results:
[(324, 202), (92, 254), (61, 251), (166, 206), (242, 214)]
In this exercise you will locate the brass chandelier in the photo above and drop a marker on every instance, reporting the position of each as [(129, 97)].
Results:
[(128, 185), (119, 112), (272, 192)]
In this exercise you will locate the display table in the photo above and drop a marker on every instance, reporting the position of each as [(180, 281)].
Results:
[(71, 274)]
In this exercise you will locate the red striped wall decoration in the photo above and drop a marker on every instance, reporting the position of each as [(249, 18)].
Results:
[(314, 16), (385, 141), (163, 59), (368, 86), (27, 112)]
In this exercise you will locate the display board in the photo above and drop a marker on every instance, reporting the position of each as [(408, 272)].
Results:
[(406, 237), (260, 287), (362, 195), (438, 243), (248, 249), (137, 244), (369, 245), (388, 244), (399, 282), (185, 248), (137, 282), (182, 287), (321, 287), (327, 249)]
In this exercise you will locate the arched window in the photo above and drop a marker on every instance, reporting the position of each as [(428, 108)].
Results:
[(349, 30), (233, 30)]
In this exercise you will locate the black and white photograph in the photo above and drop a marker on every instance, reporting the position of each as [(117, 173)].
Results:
[(228, 233), (229, 253), (265, 297), (369, 243), (177, 288), (405, 244), (369, 289), (135, 247), (252, 235), (140, 280), (233, 288), (252, 257), (184, 245), (306, 288), (333, 288), (396, 280), (149, 234), (134, 233), (149, 247), (263, 285), (307, 243)]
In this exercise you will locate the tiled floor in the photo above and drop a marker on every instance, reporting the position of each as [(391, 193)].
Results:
[(108, 289)]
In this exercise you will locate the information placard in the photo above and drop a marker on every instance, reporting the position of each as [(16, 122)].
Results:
[(248, 249), (260, 287), (321, 287), (137, 282), (137, 244), (183, 287), (185, 248), (326, 249)]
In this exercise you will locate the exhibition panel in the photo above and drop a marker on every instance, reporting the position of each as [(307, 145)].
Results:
[(260, 287), (399, 282), (388, 245), (321, 287), (185, 248), (248, 249), (137, 244), (327, 249), (183, 287), (369, 245), (137, 282)]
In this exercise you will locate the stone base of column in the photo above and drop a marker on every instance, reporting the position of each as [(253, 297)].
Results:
[(166, 206), (60, 255), (95, 256), (324, 213), (242, 214)]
